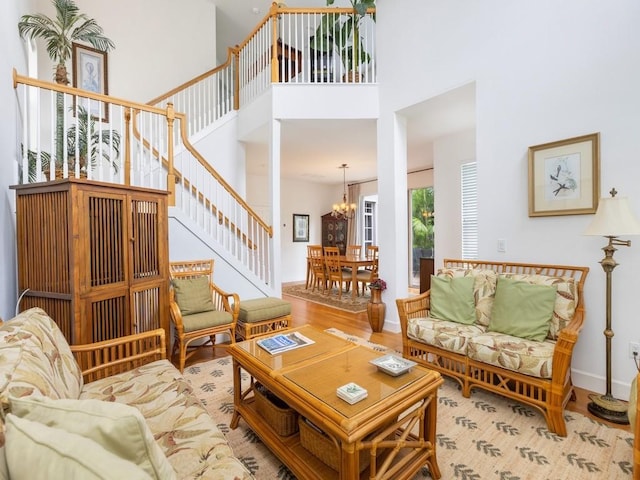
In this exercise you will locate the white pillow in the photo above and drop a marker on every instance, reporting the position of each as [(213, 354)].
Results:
[(37, 451), (116, 427)]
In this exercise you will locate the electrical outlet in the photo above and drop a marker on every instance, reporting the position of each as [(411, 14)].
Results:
[(634, 350), (502, 245)]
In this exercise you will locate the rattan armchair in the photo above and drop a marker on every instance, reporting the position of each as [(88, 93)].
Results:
[(220, 318)]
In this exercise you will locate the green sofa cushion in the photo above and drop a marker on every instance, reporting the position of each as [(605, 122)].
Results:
[(452, 299), (522, 309)]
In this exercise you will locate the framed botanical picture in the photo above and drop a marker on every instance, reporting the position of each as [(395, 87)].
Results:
[(300, 228), (564, 177), (90, 73)]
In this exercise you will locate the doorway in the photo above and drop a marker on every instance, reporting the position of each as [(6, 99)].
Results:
[(422, 230)]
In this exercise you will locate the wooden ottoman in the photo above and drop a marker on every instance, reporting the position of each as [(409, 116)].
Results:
[(261, 316)]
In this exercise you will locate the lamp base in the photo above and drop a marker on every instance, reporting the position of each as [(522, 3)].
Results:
[(608, 408)]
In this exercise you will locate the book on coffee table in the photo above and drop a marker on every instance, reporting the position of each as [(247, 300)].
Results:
[(284, 342)]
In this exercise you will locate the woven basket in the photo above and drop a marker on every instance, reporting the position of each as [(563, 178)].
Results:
[(277, 414), (324, 448)]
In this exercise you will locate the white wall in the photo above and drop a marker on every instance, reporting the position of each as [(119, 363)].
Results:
[(450, 153), (12, 55), (296, 197), (544, 71), (158, 45)]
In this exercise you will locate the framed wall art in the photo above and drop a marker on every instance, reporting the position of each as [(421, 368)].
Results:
[(564, 177), (90, 73), (300, 227)]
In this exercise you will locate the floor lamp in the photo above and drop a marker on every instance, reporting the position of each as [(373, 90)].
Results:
[(612, 219)]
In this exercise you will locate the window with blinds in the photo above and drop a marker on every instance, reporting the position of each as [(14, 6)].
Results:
[(469, 210)]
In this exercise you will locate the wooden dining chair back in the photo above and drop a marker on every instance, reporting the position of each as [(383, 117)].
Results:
[(335, 272), (318, 270), (313, 251), (370, 272), (353, 250), (199, 308)]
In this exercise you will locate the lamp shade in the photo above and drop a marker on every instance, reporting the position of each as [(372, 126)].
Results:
[(613, 218)]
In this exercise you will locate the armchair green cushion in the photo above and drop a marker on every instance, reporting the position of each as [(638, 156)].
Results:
[(193, 295)]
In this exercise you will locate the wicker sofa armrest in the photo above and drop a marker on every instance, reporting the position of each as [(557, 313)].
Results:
[(563, 350), (109, 357), (412, 307)]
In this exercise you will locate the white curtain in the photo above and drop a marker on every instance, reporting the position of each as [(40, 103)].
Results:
[(353, 195)]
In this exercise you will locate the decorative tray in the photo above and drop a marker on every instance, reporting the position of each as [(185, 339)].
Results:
[(393, 365)]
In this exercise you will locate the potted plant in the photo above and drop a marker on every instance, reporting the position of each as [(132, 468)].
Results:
[(59, 34), (376, 308), (86, 143), (341, 33)]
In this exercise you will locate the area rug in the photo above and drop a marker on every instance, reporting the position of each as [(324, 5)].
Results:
[(482, 437), (331, 299)]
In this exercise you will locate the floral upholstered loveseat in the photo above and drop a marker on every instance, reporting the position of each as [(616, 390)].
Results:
[(506, 327), (116, 409)]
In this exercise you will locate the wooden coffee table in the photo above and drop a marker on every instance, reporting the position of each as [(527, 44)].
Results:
[(395, 425)]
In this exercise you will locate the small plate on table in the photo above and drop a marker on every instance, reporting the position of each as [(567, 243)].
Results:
[(393, 365)]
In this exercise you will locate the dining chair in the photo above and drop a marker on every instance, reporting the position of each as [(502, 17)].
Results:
[(369, 273), (318, 270), (335, 272), (352, 251), (312, 250), (199, 308)]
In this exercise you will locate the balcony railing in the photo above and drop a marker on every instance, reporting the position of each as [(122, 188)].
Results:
[(290, 45)]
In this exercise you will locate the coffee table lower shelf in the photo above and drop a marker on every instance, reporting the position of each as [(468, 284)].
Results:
[(305, 464)]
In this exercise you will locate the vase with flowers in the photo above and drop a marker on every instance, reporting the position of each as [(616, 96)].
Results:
[(376, 307)]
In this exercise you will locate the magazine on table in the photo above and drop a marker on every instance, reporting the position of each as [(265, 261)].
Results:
[(284, 342)]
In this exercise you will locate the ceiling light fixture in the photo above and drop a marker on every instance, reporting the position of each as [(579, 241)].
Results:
[(344, 210)]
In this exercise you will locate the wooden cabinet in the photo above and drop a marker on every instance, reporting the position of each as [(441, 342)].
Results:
[(426, 270), (334, 232), (94, 256)]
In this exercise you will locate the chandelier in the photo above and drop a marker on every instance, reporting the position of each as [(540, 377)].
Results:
[(344, 210)]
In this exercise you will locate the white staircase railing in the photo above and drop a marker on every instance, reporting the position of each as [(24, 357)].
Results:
[(113, 140)]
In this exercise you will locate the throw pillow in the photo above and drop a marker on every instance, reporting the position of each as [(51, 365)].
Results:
[(34, 450), (522, 309), (116, 427), (193, 295), (452, 299)]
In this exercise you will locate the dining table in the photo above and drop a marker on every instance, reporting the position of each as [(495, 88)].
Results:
[(355, 262)]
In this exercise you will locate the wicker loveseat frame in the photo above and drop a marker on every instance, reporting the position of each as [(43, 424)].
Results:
[(548, 395)]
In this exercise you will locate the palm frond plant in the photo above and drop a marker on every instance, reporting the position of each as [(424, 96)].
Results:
[(341, 33), (87, 143), (59, 34)]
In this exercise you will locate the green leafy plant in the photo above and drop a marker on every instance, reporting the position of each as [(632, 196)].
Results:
[(341, 33), (59, 34), (422, 218), (86, 143)]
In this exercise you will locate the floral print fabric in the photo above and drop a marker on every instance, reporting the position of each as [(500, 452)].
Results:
[(35, 359)]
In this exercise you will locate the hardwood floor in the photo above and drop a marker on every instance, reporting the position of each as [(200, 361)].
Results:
[(323, 317)]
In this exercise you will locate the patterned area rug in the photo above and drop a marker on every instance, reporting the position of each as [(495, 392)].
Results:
[(331, 299), (482, 437)]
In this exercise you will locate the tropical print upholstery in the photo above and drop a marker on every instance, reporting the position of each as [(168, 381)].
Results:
[(484, 289), (513, 353), (35, 359), (189, 437), (451, 336)]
